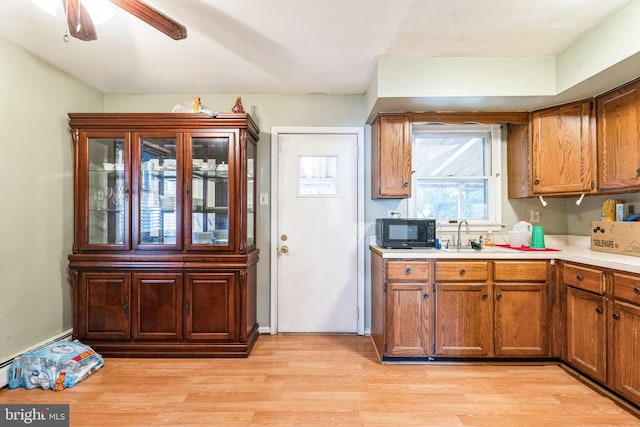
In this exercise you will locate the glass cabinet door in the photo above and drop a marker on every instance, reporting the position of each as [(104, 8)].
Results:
[(107, 195), (251, 194), (158, 201), (209, 189)]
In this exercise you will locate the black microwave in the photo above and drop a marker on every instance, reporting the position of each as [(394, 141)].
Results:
[(405, 233)]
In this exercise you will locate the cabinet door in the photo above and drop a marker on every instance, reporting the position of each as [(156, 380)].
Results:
[(618, 114), (587, 332), (563, 150), (391, 157), (463, 319), (625, 350), (103, 306), (156, 306), (102, 191), (409, 317), (157, 178), (211, 168), (521, 317), (210, 300)]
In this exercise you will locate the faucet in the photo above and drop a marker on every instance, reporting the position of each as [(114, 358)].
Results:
[(459, 226)]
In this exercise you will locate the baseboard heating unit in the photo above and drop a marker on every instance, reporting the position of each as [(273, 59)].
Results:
[(6, 363)]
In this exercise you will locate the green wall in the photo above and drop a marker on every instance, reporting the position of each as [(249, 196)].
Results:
[(36, 196)]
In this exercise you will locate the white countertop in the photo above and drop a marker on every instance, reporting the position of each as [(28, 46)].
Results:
[(571, 248)]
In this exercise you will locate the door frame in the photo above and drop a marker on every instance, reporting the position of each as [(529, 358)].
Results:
[(360, 241)]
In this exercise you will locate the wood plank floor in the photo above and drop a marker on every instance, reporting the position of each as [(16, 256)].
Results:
[(326, 380)]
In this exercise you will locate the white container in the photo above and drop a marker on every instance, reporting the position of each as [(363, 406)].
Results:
[(524, 228), (517, 239)]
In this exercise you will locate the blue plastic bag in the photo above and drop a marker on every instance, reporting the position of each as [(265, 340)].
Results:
[(56, 366)]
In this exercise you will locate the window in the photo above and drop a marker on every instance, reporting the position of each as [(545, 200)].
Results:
[(457, 175)]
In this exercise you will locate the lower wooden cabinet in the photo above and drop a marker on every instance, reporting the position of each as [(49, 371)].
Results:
[(209, 306), (156, 306), (624, 336), (401, 307), (409, 319), (103, 306), (521, 316), (492, 308), (166, 313), (587, 332), (463, 320)]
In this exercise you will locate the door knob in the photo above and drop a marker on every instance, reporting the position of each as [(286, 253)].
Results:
[(284, 249)]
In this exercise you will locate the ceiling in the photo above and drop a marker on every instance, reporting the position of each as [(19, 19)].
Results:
[(294, 46)]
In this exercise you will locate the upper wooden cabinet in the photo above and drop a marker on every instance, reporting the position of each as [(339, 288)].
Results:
[(618, 117), (391, 156), (554, 154), (563, 150)]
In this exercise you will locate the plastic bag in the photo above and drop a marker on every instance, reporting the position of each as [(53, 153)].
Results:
[(56, 366)]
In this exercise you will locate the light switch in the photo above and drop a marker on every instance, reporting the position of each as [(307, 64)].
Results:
[(264, 198)]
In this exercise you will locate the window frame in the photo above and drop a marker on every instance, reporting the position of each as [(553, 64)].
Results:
[(494, 180)]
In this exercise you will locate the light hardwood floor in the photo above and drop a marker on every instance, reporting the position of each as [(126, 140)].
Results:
[(326, 379)]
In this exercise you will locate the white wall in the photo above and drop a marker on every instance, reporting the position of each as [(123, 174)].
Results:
[(36, 196)]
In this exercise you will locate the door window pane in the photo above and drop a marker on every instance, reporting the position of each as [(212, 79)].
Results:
[(107, 208), (317, 176)]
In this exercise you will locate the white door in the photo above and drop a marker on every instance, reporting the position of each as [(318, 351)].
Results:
[(316, 236)]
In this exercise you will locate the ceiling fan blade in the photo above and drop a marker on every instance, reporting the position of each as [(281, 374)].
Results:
[(79, 21), (153, 17)]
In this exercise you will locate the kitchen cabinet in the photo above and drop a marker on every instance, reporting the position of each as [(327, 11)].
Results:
[(618, 115), (464, 324), (563, 150), (624, 332), (164, 255), (521, 311), (402, 307), (391, 156), (586, 320), (555, 154), (492, 308)]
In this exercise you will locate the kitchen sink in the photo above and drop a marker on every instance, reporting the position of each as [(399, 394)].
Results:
[(467, 249)]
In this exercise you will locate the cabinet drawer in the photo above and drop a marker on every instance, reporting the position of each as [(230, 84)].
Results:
[(520, 271), (584, 278), (626, 287), (417, 271), (462, 271)]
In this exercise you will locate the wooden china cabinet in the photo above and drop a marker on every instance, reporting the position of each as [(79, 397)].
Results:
[(164, 255)]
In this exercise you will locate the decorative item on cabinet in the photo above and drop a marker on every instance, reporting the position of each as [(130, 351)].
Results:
[(238, 107), (164, 257)]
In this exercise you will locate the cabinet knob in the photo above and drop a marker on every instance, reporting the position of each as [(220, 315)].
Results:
[(579, 277), (636, 291), (615, 316), (485, 296), (408, 270), (125, 305), (599, 310), (499, 296), (536, 181), (425, 296), (638, 171), (405, 185), (187, 307), (462, 272)]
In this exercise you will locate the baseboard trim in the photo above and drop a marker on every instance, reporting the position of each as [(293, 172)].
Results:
[(266, 330), (5, 364)]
